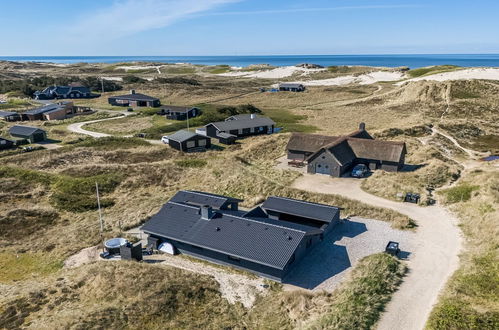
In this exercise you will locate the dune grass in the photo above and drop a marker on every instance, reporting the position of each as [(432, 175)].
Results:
[(471, 298), (414, 73), (21, 266)]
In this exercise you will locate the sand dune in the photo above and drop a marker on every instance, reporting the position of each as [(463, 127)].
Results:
[(465, 74)]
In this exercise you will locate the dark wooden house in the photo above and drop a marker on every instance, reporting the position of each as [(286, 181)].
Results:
[(239, 126), (29, 133), (291, 87), (189, 141), (179, 113), (134, 100), (337, 155), (269, 240), (74, 91), (6, 143), (9, 116)]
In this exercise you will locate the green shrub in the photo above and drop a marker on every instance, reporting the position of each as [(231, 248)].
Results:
[(359, 301), (131, 79), (459, 193), (109, 142), (431, 70), (79, 194), (191, 162), (455, 314)]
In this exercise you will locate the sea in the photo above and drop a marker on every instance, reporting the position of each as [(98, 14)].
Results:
[(412, 61)]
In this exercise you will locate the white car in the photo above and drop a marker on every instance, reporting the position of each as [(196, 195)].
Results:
[(164, 139)]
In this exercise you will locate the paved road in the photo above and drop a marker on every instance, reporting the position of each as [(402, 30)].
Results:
[(436, 246)]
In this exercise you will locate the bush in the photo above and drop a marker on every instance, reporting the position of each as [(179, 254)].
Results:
[(176, 80), (459, 193), (359, 301), (79, 194), (131, 79), (454, 314), (109, 142)]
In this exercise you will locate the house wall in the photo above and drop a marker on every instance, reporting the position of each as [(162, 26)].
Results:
[(298, 155), (55, 115), (211, 130), (390, 166), (325, 159), (221, 258), (5, 144)]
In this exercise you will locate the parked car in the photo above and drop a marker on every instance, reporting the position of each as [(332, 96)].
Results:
[(129, 109), (164, 139), (141, 135), (360, 171)]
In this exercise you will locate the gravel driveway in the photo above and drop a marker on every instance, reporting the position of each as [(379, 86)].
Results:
[(328, 263), (434, 256)]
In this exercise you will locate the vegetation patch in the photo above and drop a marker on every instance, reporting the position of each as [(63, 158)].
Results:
[(21, 223), (109, 143), (191, 163), (431, 70), (358, 303), (460, 193), (21, 266)]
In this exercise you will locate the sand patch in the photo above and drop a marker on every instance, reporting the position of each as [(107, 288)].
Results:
[(465, 74), (277, 73)]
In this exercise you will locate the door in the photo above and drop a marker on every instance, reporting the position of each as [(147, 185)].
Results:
[(322, 169)]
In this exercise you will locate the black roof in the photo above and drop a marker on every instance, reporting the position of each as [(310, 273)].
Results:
[(176, 108), (291, 85), (135, 97), (181, 136), (240, 123), (203, 198), (43, 109), (300, 208), (24, 130), (247, 235), (8, 113)]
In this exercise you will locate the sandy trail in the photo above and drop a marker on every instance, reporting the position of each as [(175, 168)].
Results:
[(78, 127), (437, 243), (461, 74)]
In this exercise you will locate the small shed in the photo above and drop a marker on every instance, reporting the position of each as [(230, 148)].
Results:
[(6, 143), (189, 141), (31, 134)]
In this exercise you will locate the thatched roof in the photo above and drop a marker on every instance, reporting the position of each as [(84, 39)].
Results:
[(309, 142), (390, 151)]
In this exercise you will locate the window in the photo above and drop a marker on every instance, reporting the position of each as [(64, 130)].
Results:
[(323, 157), (202, 143), (319, 165), (231, 258), (190, 144)]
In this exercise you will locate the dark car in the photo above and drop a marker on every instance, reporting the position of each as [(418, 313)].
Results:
[(360, 171)]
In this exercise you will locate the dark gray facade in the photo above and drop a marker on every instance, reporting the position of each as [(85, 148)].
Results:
[(189, 141), (6, 143), (31, 134), (134, 100), (239, 126), (268, 240)]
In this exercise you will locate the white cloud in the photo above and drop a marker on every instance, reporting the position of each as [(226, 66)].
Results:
[(126, 17)]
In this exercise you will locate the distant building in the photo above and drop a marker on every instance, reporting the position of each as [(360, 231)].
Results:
[(239, 126), (179, 113), (6, 143), (9, 116), (134, 100), (268, 240), (291, 87), (29, 133), (188, 141), (335, 155), (73, 91)]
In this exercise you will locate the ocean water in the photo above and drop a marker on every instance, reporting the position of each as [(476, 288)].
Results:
[(412, 61)]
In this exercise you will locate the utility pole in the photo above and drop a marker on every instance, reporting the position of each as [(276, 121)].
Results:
[(100, 216), (98, 206), (187, 120)]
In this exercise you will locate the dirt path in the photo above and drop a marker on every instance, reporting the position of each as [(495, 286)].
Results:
[(437, 244), (78, 127)]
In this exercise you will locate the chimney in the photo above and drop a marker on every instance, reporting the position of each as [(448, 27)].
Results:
[(362, 126), (252, 116), (132, 91), (206, 212)]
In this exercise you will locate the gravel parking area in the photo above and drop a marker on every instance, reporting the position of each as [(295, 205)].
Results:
[(328, 263)]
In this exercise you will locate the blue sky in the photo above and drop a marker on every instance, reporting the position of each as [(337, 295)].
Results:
[(247, 27)]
